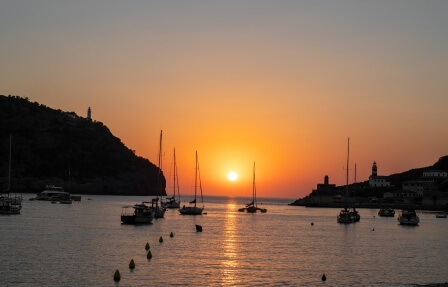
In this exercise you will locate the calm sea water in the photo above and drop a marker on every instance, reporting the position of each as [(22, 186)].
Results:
[(84, 243)]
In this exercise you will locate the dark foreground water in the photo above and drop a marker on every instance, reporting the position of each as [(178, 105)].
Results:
[(84, 243)]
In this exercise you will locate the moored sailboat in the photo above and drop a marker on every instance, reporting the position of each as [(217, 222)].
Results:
[(346, 216), (156, 205), (194, 210), (171, 201), (10, 205), (253, 206)]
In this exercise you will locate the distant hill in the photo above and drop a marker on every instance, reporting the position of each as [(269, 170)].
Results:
[(51, 146), (413, 174)]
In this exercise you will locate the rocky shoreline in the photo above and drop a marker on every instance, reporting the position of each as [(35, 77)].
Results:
[(368, 205)]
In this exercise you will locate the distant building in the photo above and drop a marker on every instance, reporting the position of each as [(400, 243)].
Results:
[(376, 180), (435, 174), (431, 181), (325, 188), (89, 114)]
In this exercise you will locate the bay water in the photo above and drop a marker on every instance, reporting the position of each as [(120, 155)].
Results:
[(82, 244)]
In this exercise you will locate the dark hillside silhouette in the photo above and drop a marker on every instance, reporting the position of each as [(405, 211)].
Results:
[(51, 146)]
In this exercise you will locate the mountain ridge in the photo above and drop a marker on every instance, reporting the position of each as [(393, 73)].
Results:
[(61, 148)]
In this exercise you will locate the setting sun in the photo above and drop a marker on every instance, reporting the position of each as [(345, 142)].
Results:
[(232, 176)]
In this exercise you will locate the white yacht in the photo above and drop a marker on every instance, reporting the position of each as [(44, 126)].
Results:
[(53, 193)]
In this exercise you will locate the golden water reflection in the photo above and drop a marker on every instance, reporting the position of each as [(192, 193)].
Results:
[(230, 256)]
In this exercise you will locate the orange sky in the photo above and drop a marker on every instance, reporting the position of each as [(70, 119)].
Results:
[(282, 84)]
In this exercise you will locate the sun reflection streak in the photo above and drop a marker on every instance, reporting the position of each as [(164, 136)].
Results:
[(229, 263)]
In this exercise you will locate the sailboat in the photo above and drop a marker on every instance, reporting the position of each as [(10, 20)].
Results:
[(194, 210), (157, 208), (354, 212), (141, 213), (10, 205), (171, 201), (253, 206), (346, 216)]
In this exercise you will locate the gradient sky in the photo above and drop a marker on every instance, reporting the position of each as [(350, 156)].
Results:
[(281, 83)]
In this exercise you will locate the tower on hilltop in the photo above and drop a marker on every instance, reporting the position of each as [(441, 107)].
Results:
[(89, 114), (374, 169)]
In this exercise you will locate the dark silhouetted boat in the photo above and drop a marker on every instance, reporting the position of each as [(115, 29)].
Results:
[(137, 214), (386, 212), (253, 206), (10, 204), (156, 204), (345, 216), (194, 210), (408, 217), (171, 202)]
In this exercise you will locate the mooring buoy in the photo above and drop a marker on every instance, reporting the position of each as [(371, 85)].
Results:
[(171, 234), (147, 246), (312, 223), (149, 255), (117, 276), (324, 277), (131, 264), (161, 239)]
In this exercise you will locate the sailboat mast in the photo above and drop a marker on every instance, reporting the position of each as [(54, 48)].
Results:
[(196, 179), (354, 186), (254, 195), (9, 164), (177, 178), (160, 165), (348, 154), (174, 178)]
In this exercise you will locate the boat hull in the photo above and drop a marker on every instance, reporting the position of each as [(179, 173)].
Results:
[(409, 222), (9, 209), (386, 212), (133, 219), (172, 205), (409, 218), (159, 212), (191, 211)]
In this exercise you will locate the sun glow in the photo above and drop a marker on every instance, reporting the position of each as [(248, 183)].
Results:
[(232, 176)]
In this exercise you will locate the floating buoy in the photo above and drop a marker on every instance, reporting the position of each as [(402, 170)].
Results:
[(147, 246), (171, 234), (131, 264), (149, 255), (198, 228), (117, 276), (312, 223), (161, 239), (324, 277), (373, 229)]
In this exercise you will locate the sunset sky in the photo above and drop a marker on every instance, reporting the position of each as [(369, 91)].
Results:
[(281, 83)]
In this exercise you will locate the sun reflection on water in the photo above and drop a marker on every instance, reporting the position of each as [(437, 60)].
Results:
[(229, 262)]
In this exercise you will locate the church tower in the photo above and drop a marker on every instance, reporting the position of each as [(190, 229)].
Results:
[(374, 170), (89, 114)]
